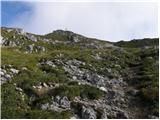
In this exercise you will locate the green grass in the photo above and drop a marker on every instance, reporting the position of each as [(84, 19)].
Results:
[(149, 84), (15, 57), (71, 91)]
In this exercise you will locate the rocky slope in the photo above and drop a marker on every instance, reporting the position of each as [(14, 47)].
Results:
[(67, 75)]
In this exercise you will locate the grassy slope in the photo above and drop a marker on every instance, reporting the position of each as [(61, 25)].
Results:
[(14, 107)]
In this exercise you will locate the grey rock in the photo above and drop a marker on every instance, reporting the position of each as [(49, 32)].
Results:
[(50, 63), (30, 48), (19, 89), (94, 79), (104, 115), (75, 62), (9, 43), (153, 117), (24, 68), (40, 48), (88, 113), (14, 71), (122, 115), (64, 102), (57, 99), (97, 57), (2, 73), (103, 89), (74, 117), (31, 37), (75, 39), (55, 107), (8, 76), (74, 78), (59, 104), (45, 106), (45, 85)]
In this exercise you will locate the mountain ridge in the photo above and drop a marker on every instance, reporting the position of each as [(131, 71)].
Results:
[(70, 33), (65, 75)]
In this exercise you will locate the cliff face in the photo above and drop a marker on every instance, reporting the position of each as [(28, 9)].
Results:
[(67, 75)]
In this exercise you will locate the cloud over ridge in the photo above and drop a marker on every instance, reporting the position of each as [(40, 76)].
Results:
[(104, 20)]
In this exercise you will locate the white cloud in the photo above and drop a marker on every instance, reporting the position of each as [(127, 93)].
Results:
[(111, 21)]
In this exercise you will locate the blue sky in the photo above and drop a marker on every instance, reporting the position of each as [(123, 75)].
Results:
[(111, 21), (10, 10)]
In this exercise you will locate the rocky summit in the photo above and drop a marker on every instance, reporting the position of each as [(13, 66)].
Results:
[(66, 75)]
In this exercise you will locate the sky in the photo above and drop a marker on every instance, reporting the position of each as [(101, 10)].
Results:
[(111, 21)]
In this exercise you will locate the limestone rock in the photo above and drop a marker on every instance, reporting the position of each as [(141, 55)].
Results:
[(88, 113), (14, 71), (30, 48), (64, 102)]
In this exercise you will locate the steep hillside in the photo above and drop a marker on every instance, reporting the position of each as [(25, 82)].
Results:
[(67, 75)]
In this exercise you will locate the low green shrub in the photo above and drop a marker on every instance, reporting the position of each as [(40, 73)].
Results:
[(85, 91)]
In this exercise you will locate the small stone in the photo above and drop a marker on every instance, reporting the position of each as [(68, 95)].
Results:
[(14, 71), (45, 85), (24, 68), (9, 65), (8, 76), (19, 89), (1, 73), (103, 89), (45, 106), (39, 87), (74, 78)]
